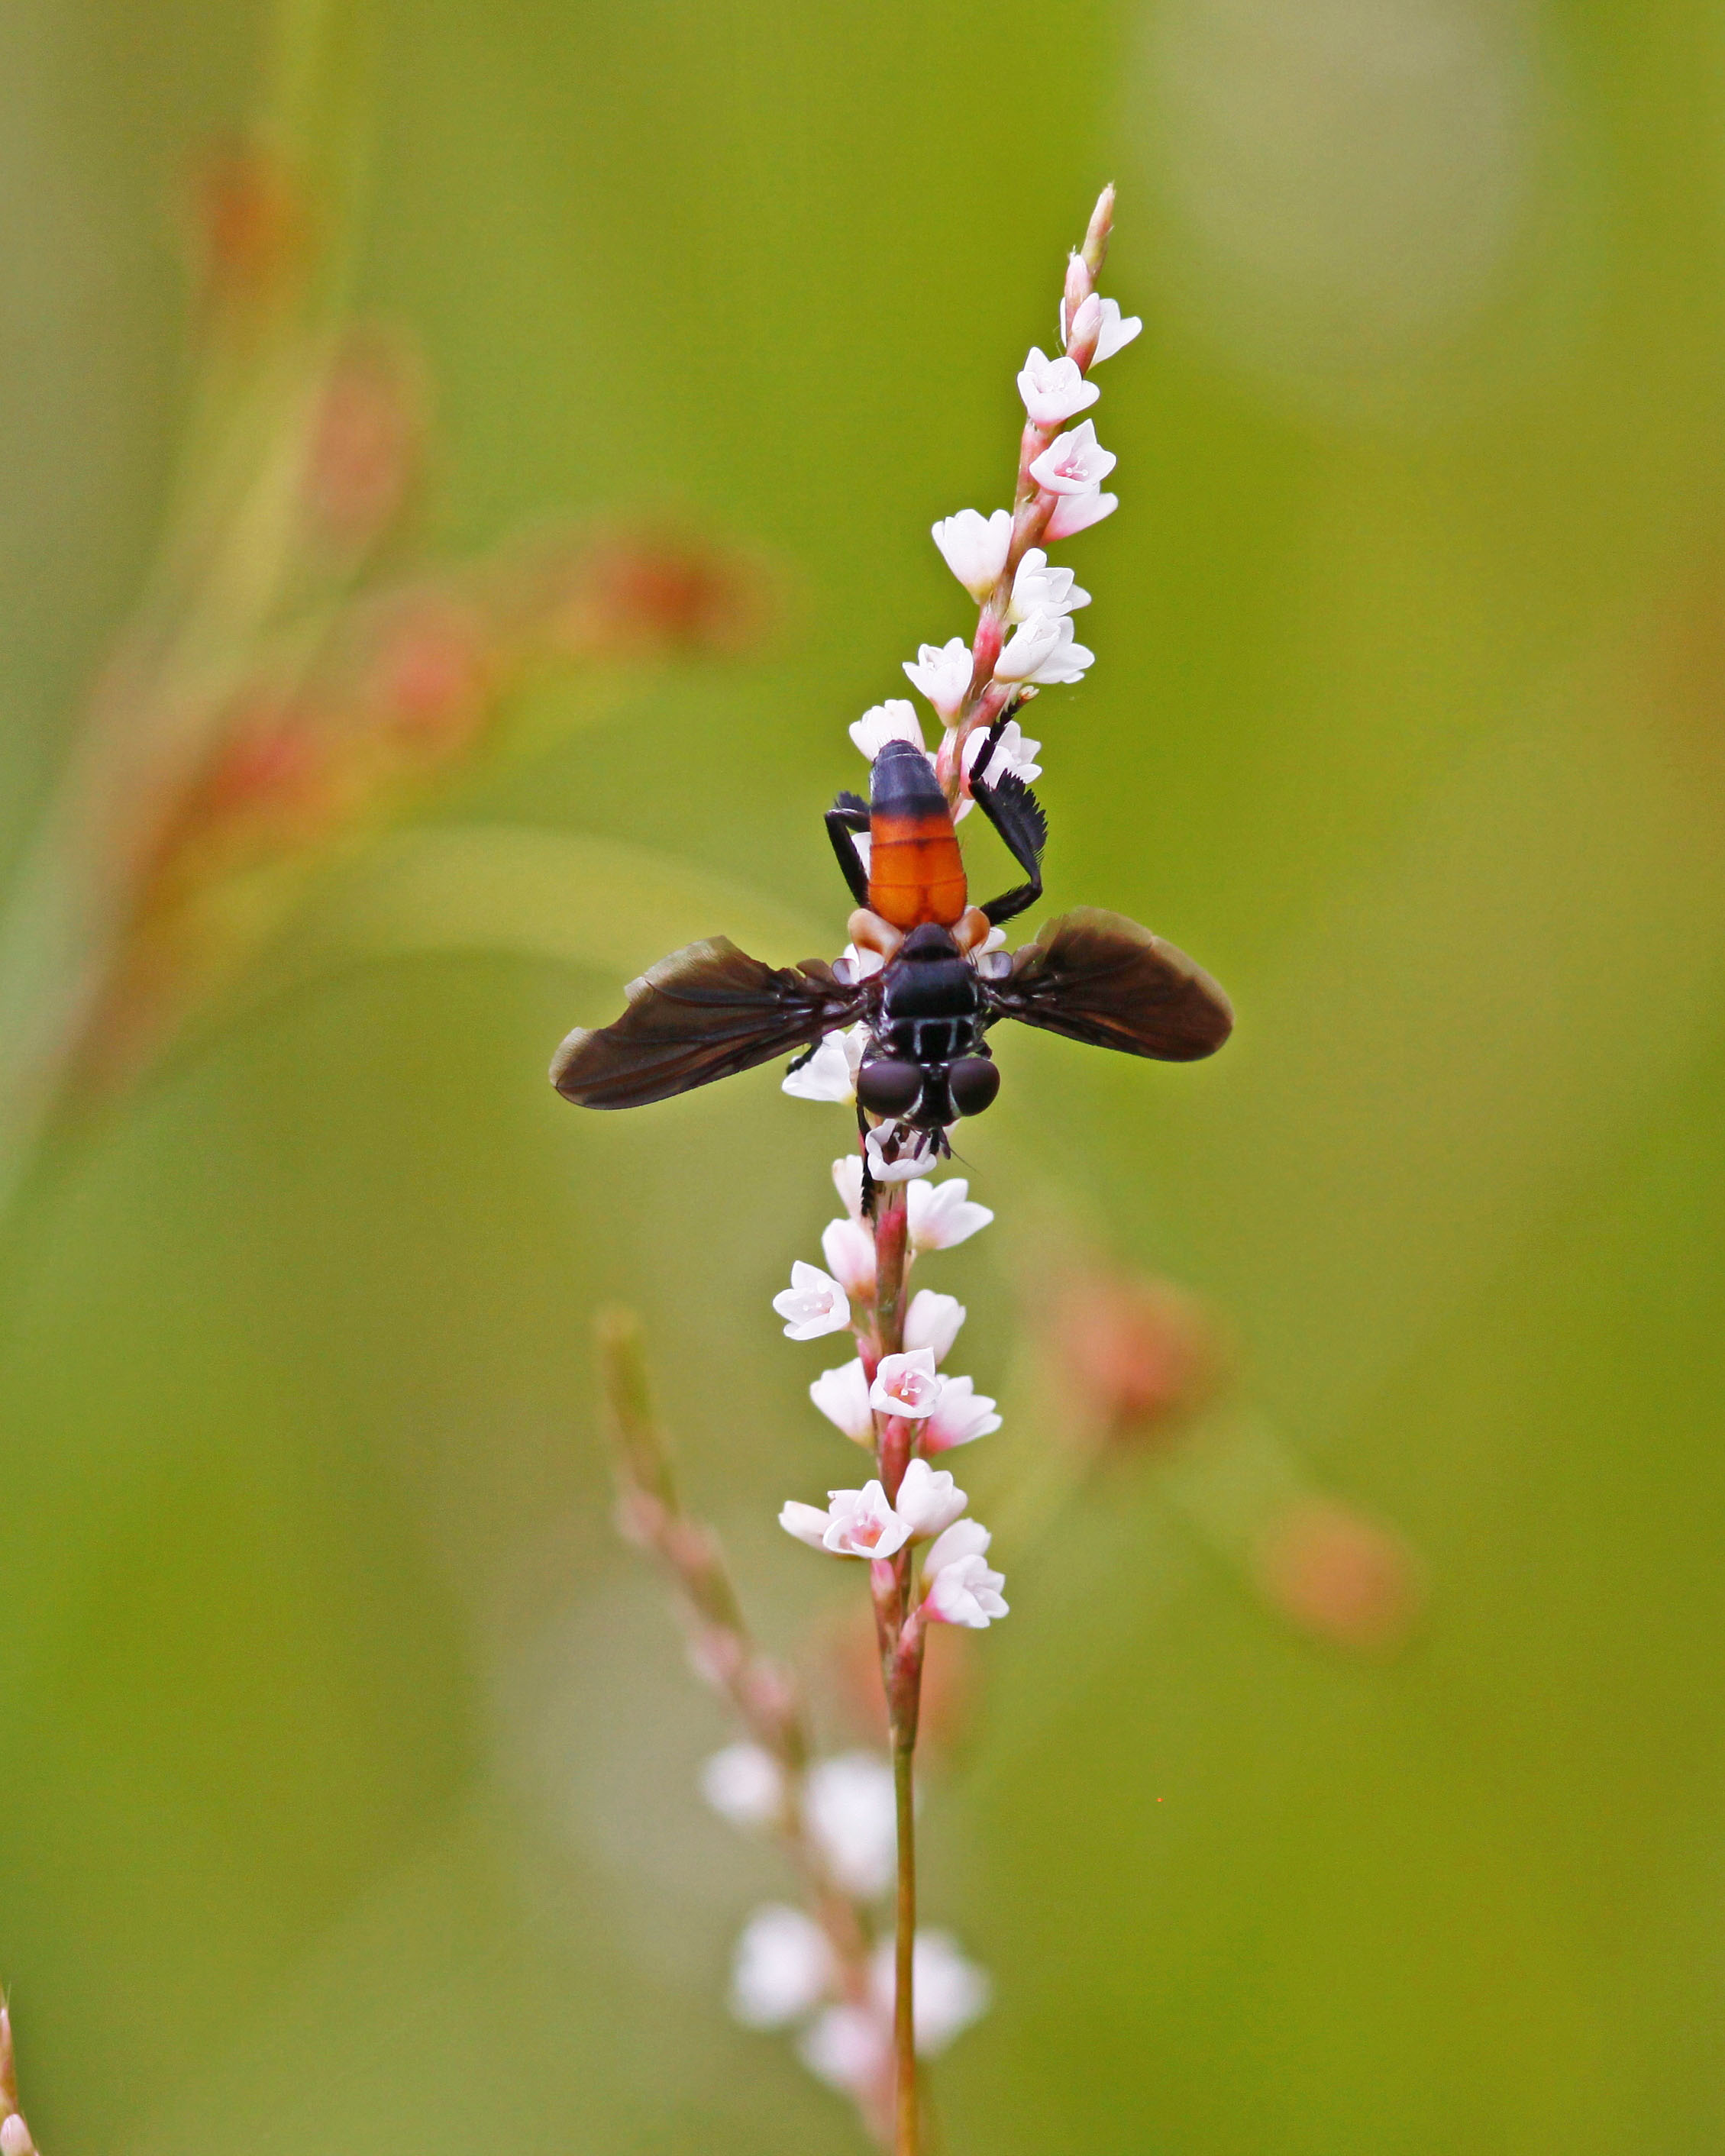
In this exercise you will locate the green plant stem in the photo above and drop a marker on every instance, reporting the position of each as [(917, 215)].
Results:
[(906, 2117)]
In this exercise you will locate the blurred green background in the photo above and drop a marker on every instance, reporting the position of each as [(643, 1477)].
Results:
[(348, 1794)]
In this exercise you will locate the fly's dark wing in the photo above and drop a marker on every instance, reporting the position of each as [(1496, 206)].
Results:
[(1099, 978), (704, 1012)]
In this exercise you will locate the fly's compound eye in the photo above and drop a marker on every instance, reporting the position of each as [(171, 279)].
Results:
[(973, 1082), (888, 1086)]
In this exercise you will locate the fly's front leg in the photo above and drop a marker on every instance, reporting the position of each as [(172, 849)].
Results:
[(848, 817)]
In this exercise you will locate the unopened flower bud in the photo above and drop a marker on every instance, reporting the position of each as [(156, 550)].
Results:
[(942, 671), (932, 1322), (1341, 1576), (1073, 513), (849, 1249), (842, 1396), (929, 1500), (974, 547)]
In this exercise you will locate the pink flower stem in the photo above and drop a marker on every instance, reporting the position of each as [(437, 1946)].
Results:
[(1032, 505)]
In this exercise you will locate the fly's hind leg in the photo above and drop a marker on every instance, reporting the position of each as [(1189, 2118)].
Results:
[(1016, 815), (848, 816)]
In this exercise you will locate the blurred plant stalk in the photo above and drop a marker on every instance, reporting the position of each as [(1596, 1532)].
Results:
[(290, 685)]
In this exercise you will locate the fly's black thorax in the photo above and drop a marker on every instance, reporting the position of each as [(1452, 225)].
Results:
[(931, 1009)]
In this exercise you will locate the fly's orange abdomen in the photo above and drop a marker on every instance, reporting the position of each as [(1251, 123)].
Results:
[(915, 871)]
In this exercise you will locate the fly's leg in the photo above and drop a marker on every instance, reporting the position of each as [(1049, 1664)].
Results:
[(848, 816)]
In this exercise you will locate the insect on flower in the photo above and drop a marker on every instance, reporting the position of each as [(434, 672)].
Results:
[(710, 1009)]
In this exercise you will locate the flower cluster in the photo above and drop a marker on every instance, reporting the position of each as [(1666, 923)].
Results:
[(1024, 639)]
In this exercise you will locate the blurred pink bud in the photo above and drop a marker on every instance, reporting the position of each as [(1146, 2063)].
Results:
[(1341, 1576), (1078, 289), (849, 2048), (948, 1992), (1139, 1357), (744, 1784), (928, 1501), (1073, 513), (974, 547), (363, 453), (782, 1967), (814, 1304), (1082, 326), (906, 1384), (1073, 462), (429, 677), (1054, 390), (253, 234)]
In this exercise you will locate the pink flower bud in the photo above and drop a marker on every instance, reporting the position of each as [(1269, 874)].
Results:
[(1073, 513), (932, 1322), (942, 672), (963, 1415), (849, 1249), (928, 1500), (842, 1396), (974, 549)]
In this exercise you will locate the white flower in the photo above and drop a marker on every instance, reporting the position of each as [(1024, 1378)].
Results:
[(974, 549), (1115, 335), (808, 1523), (943, 673), (847, 1180), (895, 720), (963, 1415), (1073, 513), (965, 1592), (813, 1304), (849, 1809), (782, 1967), (932, 1322), (842, 1396), (848, 2048), (1073, 462), (861, 1523), (896, 1152), (1014, 752), (1036, 588), (1043, 649), (905, 1385), (1054, 390), (928, 1499), (744, 1784), (942, 1215), (948, 1992), (967, 1539), (849, 1249), (830, 1073)]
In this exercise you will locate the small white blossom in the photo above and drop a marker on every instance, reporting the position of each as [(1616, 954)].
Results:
[(813, 1304), (968, 1538), (808, 1523), (974, 549), (1115, 335), (849, 1249), (948, 1992), (905, 1385), (830, 1073), (782, 1967), (1073, 513), (861, 1523), (1043, 649), (1036, 588), (942, 672), (1014, 752), (847, 1180), (848, 2048), (942, 1213), (1054, 390), (842, 1396), (928, 1498), (895, 720), (963, 1415), (965, 1592), (849, 1809), (744, 1784), (932, 1322), (1073, 462), (896, 1152)]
